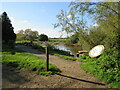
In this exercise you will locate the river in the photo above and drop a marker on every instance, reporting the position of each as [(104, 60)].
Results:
[(62, 46), (72, 49)]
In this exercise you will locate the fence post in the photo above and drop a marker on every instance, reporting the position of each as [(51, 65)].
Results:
[(47, 59)]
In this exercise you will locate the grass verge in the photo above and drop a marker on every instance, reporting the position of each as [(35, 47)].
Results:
[(20, 59), (66, 57), (105, 67)]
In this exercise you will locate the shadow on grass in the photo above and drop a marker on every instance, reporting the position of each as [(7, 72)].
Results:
[(29, 49), (11, 74), (80, 79), (20, 49), (12, 50)]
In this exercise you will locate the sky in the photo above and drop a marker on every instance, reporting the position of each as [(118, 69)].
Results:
[(38, 16)]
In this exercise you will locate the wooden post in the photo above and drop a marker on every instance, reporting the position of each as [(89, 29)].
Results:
[(47, 59)]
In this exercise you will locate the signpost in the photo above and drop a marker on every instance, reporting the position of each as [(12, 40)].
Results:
[(96, 51), (47, 59), (47, 56)]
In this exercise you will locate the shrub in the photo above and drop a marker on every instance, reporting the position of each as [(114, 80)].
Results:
[(43, 37)]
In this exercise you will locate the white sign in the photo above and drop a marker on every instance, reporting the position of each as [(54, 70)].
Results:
[(96, 51)]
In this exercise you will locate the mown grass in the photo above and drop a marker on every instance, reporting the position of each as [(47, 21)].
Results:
[(20, 59)]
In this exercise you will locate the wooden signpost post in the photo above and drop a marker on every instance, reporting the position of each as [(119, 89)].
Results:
[(45, 45), (47, 58)]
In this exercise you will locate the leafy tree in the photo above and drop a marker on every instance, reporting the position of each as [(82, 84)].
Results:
[(43, 37), (33, 35), (108, 33), (69, 21), (27, 34), (20, 35), (104, 13), (8, 35)]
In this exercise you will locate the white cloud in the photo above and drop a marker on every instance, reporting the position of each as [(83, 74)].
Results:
[(95, 25)]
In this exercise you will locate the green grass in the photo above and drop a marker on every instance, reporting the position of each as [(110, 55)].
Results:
[(105, 68), (20, 59), (66, 57), (57, 40), (101, 74), (20, 42)]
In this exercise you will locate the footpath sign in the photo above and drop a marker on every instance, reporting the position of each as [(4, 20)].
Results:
[(96, 51)]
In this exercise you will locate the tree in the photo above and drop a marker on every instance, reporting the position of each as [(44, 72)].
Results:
[(33, 35), (69, 21), (27, 34), (30, 35), (8, 35), (43, 37), (104, 13), (20, 35)]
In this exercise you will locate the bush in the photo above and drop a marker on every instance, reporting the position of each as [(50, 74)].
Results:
[(43, 37)]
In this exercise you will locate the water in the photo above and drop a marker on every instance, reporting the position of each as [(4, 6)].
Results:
[(72, 49)]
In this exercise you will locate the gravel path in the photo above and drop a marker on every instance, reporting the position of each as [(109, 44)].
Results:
[(72, 76)]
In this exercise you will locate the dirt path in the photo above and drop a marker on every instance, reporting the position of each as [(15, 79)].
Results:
[(72, 75)]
